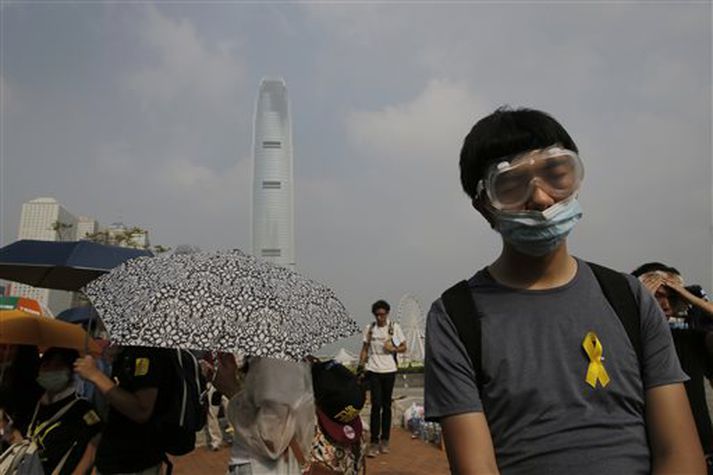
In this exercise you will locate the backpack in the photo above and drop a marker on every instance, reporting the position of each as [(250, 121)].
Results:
[(23, 458), (460, 308), (187, 409)]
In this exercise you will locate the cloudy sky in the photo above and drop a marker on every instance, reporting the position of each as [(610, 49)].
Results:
[(142, 113)]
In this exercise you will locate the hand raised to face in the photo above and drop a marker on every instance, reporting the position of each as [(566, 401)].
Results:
[(86, 368), (652, 281)]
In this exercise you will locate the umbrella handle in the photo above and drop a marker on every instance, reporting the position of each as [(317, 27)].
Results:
[(86, 336)]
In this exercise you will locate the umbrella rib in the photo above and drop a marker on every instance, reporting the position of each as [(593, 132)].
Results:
[(54, 266)]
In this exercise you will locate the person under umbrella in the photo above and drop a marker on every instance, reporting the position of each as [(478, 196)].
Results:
[(272, 414), (293, 417), (340, 443), (19, 390), (86, 318), (131, 442), (222, 301), (64, 426), (216, 401)]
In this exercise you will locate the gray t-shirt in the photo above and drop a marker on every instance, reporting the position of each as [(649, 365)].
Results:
[(543, 416)]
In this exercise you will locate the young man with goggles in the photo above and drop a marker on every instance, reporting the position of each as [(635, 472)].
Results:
[(510, 183), (531, 365)]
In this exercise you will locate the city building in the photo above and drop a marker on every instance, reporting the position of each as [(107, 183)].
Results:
[(86, 226), (121, 235), (273, 194), (118, 234), (45, 219)]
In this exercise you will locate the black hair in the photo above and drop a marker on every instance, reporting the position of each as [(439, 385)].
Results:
[(66, 355), (380, 304), (652, 267), (506, 132)]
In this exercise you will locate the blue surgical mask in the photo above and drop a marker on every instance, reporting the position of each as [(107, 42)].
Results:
[(537, 233)]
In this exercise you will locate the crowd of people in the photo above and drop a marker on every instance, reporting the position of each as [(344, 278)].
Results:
[(541, 362), (284, 417)]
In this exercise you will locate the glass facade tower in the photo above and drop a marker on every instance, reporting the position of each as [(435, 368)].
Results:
[(273, 236)]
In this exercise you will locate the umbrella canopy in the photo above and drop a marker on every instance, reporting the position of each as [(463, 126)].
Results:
[(25, 304), (64, 265), (77, 314), (224, 301), (21, 328)]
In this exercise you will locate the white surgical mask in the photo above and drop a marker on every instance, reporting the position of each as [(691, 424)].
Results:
[(54, 381)]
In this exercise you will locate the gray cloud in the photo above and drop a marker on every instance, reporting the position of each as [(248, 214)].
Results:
[(144, 113)]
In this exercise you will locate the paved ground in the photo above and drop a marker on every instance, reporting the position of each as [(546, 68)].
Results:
[(408, 457)]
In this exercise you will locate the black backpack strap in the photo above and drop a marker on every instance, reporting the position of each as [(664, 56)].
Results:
[(617, 291), (169, 464), (461, 309), (371, 332)]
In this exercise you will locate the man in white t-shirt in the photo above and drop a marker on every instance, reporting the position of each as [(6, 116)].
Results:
[(382, 340)]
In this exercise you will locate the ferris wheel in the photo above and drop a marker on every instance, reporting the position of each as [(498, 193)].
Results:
[(409, 314)]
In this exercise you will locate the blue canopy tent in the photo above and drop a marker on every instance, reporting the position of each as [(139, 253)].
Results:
[(63, 265)]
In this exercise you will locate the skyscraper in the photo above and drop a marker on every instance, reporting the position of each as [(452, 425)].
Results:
[(46, 220), (273, 236)]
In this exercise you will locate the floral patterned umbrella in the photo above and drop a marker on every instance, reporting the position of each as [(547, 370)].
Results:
[(221, 301)]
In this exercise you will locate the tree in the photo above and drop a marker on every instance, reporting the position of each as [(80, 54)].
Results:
[(61, 229), (102, 237), (129, 237)]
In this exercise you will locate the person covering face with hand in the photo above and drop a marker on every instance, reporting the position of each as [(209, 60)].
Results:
[(528, 367), (694, 346), (668, 286)]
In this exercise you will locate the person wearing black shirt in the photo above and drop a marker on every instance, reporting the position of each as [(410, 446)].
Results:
[(64, 426), (19, 390), (136, 396), (694, 345)]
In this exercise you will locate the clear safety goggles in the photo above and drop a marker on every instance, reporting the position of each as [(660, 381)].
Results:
[(510, 181)]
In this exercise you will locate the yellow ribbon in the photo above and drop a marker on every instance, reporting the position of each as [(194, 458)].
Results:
[(595, 371)]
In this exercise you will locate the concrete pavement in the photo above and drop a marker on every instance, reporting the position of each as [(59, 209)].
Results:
[(408, 457)]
